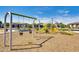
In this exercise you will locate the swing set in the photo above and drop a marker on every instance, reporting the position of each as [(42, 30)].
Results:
[(20, 30)]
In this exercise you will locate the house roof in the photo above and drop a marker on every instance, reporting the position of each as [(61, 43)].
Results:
[(73, 23)]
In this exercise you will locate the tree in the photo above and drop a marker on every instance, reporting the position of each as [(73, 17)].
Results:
[(30, 25), (48, 25), (0, 24), (7, 25), (62, 25)]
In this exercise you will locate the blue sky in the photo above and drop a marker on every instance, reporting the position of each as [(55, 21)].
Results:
[(65, 14)]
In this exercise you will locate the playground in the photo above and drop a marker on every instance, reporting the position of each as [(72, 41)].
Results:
[(35, 37)]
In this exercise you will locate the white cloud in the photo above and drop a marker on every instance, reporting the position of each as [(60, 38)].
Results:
[(59, 19), (67, 20), (64, 12)]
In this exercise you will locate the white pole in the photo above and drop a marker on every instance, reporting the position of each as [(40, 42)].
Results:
[(10, 30), (39, 29), (33, 29), (52, 23), (39, 24), (5, 30)]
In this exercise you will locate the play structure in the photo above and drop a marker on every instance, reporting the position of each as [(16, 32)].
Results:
[(28, 32), (48, 28), (21, 29)]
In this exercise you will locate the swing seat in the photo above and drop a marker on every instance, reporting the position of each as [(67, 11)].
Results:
[(30, 31), (21, 33)]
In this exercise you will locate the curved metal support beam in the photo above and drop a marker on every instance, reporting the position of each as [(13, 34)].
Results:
[(5, 29), (10, 13)]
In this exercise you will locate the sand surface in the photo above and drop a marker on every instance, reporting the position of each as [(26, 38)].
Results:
[(58, 42)]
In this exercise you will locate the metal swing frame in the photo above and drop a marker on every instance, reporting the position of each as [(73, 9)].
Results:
[(5, 18)]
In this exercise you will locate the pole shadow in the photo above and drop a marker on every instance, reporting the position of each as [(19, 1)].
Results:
[(35, 45)]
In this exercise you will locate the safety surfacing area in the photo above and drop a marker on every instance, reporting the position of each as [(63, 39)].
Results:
[(40, 42)]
